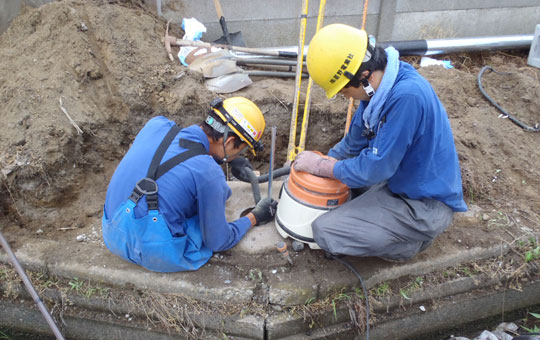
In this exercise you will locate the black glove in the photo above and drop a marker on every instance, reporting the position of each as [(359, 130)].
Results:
[(238, 168), (264, 211)]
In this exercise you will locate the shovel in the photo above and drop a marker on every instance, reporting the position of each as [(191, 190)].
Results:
[(216, 67), (219, 63), (230, 39), (235, 81)]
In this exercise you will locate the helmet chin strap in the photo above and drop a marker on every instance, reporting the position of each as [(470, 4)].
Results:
[(225, 135), (367, 87)]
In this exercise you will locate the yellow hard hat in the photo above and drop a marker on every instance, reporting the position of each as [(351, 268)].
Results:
[(243, 117), (335, 54)]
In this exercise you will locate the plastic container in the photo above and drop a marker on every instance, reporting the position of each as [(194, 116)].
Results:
[(303, 198)]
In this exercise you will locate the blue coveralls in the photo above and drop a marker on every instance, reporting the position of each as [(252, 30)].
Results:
[(412, 170), (190, 224)]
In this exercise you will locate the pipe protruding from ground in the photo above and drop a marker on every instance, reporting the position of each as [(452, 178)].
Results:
[(255, 180)]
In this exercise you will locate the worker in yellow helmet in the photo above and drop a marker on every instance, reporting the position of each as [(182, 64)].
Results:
[(398, 156), (165, 204)]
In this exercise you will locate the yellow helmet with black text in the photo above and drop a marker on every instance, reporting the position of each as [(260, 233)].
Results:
[(335, 54), (244, 118)]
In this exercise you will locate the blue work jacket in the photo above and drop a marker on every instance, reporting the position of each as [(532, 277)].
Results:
[(413, 148), (194, 188)]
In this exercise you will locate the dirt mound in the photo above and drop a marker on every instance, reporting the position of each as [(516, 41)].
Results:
[(80, 78)]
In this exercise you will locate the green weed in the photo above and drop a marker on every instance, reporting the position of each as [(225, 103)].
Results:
[(310, 300), (466, 271), (534, 329), (404, 294), (415, 284), (76, 285), (382, 289), (255, 274), (533, 254)]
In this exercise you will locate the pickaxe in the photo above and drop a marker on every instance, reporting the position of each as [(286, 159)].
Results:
[(169, 39)]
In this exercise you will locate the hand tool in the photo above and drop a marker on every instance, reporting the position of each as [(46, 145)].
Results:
[(260, 51), (349, 116), (30, 288), (293, 149), (227, 38), (282, 248), (168, 41), (271, 169), (232, 82)]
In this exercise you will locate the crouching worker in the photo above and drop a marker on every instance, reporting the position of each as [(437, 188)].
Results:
[(399, 154), (165, 204)]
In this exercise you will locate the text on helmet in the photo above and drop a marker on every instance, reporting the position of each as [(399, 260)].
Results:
[(342, 68)]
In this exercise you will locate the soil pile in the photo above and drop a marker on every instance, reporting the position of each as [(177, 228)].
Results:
[(80, 78)]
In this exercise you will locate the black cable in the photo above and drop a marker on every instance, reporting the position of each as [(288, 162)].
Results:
[(348, 265), (512, 118)]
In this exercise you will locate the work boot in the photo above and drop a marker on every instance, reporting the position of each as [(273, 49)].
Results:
[(425, 245), (388, 259)]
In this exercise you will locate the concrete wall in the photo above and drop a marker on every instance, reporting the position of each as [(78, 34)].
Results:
[(277, 23)]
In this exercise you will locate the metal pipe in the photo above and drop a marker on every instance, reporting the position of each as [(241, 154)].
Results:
[(460, 45), (443, 46), (30, 288), (265, 61), (271, 169)]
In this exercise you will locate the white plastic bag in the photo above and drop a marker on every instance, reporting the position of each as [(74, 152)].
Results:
[(194, 31)]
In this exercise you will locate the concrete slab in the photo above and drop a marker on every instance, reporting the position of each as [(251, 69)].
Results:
[(255, 274), (261, 239)]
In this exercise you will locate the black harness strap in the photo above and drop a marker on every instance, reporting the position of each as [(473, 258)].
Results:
[(194, 149), (163, 146), (148, 186)]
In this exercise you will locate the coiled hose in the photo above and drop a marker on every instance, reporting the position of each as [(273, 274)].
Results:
[(514, 120)]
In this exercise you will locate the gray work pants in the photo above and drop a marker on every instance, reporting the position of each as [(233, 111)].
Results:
[(381, 223)]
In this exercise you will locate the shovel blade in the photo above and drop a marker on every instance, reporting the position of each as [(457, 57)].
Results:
[(236, 39), (202, 59), (228, 83), (218, 67)]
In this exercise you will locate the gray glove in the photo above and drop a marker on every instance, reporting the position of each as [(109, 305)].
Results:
[(264, 211), (315, 163), (238, 168)]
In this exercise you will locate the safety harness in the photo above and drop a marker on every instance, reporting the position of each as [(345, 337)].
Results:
[(148, 186)]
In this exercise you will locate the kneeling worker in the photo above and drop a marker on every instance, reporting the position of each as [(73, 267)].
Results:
[(399, 154), (165, 204)]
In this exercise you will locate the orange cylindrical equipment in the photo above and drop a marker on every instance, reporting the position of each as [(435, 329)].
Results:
[(317, 191), (303, 198)]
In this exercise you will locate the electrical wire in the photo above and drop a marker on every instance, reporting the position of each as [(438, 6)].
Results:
[(514, 120), (348, 265)]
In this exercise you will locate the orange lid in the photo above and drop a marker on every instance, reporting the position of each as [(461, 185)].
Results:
[(315, 190)]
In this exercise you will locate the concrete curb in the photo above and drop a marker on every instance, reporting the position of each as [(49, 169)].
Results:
[(444, 308)]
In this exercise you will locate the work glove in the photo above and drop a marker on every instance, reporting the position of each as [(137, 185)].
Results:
[(238, 168), (264, 211), (315, 163)]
